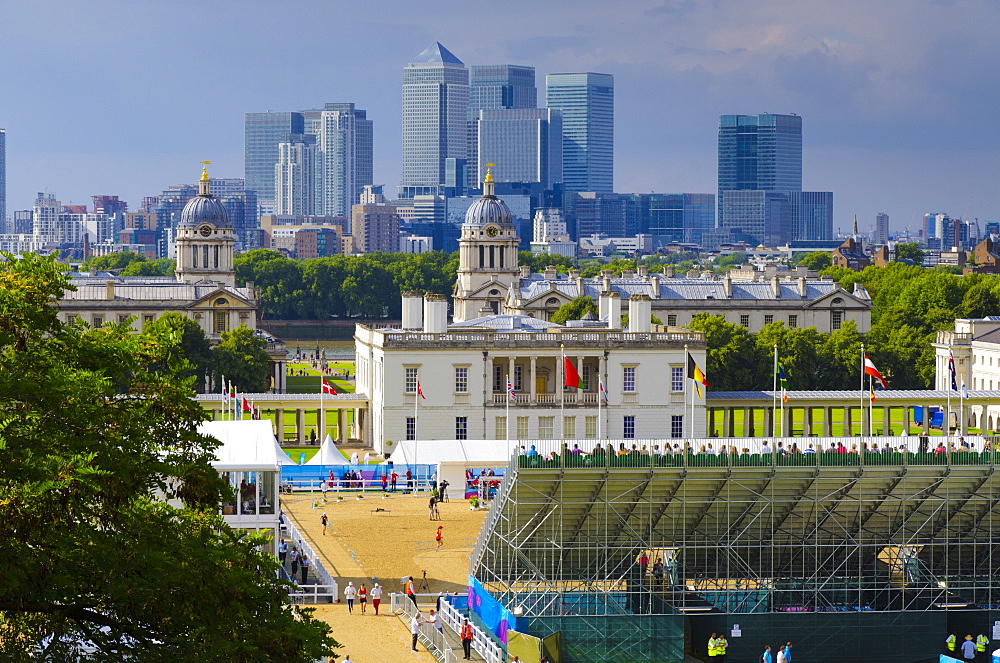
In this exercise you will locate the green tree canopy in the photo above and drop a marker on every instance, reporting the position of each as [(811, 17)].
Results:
[(93, 425), (158, 267), (910, 251), (183, 339), (111, 261), (734, 359), (241, 357), (817, 260), (574, 310)]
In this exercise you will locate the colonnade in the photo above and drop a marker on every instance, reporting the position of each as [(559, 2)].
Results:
[(347, 411)]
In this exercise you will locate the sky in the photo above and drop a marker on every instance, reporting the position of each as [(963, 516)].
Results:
[(899, 98)]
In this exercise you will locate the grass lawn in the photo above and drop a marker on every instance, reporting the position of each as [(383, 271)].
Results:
[(838, 426)]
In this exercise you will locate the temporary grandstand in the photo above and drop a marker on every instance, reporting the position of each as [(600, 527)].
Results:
[(852, 556)]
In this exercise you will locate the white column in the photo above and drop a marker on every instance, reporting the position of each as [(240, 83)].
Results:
[(531, 377)]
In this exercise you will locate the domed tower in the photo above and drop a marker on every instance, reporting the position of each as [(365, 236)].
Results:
[(487, 264), (204, 239)]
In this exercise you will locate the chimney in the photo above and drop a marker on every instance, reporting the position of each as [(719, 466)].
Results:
[(628, 274), (802, 286), (776, 287), (610, 308), (580, 291), (606, 278), (727, 285), (643, 271), (550, 273), (525, 271), (413, 311), (639, 310), (435, 314), (110, 289), (655, 281)]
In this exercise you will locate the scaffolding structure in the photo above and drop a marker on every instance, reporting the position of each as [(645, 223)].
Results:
[(840, 545)]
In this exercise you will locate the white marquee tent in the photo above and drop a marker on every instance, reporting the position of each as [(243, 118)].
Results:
[(453, 457), (246, 445), (328, 454)]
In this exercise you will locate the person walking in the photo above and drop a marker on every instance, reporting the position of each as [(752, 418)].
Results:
[(437, 537), (968, 649), (393, 479), (415, 623), (766, 656), (788, 652), (323, 519), (411, 590), (363, 597), (376, 598), (294, 556), (782, 656), (350, 592), (385, 481), (466, 639), (282, 551), (304, 566), (430, 508)]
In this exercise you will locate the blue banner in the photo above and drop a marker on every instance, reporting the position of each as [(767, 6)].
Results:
[(493, 615)]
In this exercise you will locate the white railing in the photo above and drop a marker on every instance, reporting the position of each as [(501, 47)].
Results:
[(450, 618), (327, 587)]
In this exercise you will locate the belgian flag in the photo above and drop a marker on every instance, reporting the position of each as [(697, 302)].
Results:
[(696, 374)]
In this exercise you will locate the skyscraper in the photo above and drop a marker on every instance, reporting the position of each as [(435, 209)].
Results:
[(525, 144), (262, 133), (587, 102), (3, 180), (295, 177), (435, 118), (344, 155), (881, 228), (495, 86)]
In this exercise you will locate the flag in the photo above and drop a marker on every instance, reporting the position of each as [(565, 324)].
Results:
[(965, 392), (420, 392), (572, 377), (697, 375), (872, 371), (326, 387), (232, 390), (783, 383), (246, 405), (510, 391), (225, 394), (604, 392), (871, 392), (254, 412), (951, 369)]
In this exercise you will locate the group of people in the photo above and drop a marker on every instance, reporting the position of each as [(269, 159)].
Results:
[(352, 593), (299, 559), (972, 649), (784, 654)]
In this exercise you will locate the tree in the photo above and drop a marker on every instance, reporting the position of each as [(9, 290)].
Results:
[(94, 423), (910, 251), (110, 261), (734, 361), (817, 260), (184, 339), (574, 310), (158, 267), (241, 356), (979, 302)]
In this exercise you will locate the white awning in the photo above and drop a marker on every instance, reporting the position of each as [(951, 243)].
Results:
[(246, 445)]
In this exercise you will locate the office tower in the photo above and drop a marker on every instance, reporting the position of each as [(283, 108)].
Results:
[(262, 133), (491, 87), (45, 218), (23, 222), (375, 227), (344, 155), (109, 205), (676, 217), (881, 228), (295, 177), (526, 145), (3, 180), (435, 118), (587, 102)]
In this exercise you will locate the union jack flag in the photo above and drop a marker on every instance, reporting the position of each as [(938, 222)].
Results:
[(510, 391)]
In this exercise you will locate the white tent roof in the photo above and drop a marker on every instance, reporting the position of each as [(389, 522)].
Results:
[(246, 445), (492, 453), (328, 454)]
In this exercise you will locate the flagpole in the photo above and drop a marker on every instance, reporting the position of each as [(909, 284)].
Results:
[(946, 424), (961, 408), (774, 391), (562, 392), (225, 398), (507, 389)]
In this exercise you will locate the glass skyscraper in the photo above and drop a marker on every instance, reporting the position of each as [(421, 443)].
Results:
[(525, 144), (262, 133), (344, 155), (495, 86), (435, 118), (3, 180), (587, 102)]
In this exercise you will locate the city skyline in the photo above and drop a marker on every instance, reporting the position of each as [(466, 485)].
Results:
[(899, 117)]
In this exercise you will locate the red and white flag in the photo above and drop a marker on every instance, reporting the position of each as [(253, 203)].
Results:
[(420, 392), (872, 371), (246, 405), (327, 387)]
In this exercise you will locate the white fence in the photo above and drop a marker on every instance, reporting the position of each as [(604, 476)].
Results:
[(450, 618), (326, 588)]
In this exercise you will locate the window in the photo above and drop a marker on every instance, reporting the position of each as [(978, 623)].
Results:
[(676, 425), (628, 379), (221, 321), (461, 380), (585, 378), (672, 320), (628, 430), (545, 426), (676, 378), (517, 379), (411, 428), (522, 427), (498, 385), (590, 427), (98, 321), (461, 428), (122, 319), (71, 320), (500, 429), (837, 320), (569, 428), (745, 320), (793, 322), (768, 318), (146, 319), (411, 381)]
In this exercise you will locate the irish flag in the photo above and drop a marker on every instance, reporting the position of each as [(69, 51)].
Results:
[(872, 371), (572, 377)]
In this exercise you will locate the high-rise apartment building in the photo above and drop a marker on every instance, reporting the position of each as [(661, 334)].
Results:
[(881, 228), (435, 118), (262, 133), (3, 180), (344, 155), (491, 87), (526, 145), (587, 102), (375, 227), (295, 177)]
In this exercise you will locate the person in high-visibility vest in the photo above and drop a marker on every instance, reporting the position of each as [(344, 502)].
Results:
[(467, 640), (713, 646), (411, 590), (720, 648), (981, 642), (950, 642)]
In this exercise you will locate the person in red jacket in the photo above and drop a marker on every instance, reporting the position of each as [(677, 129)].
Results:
[(467, 640)]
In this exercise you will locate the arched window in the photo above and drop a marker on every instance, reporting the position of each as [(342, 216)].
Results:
[(552, 301), (837, 301)]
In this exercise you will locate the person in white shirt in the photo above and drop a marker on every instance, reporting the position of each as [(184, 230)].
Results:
[(415, 623), (434, 621), (350, 592), (781, 656), (376, 594)]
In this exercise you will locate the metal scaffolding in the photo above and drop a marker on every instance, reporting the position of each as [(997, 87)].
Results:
[(744, 537)]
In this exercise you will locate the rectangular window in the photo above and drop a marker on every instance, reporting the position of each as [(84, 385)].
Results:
[(498, 385), (98, 321), (768, 318), (676, 425), (672, 320), (837, 320), (545, 427), (461, 428), (221, 321), (146, 319), (71, 319), (522, 428), (590, 427), (411, 428), (628, 379), (793, 322), (676, 378), (628, 429), (569, 428), (745, 320), (461, 380), (518, 386), (411, 381), (500, 429), (585, 378)]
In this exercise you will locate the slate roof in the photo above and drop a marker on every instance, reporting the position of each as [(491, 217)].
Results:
[(536, 285), (523, 323)]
